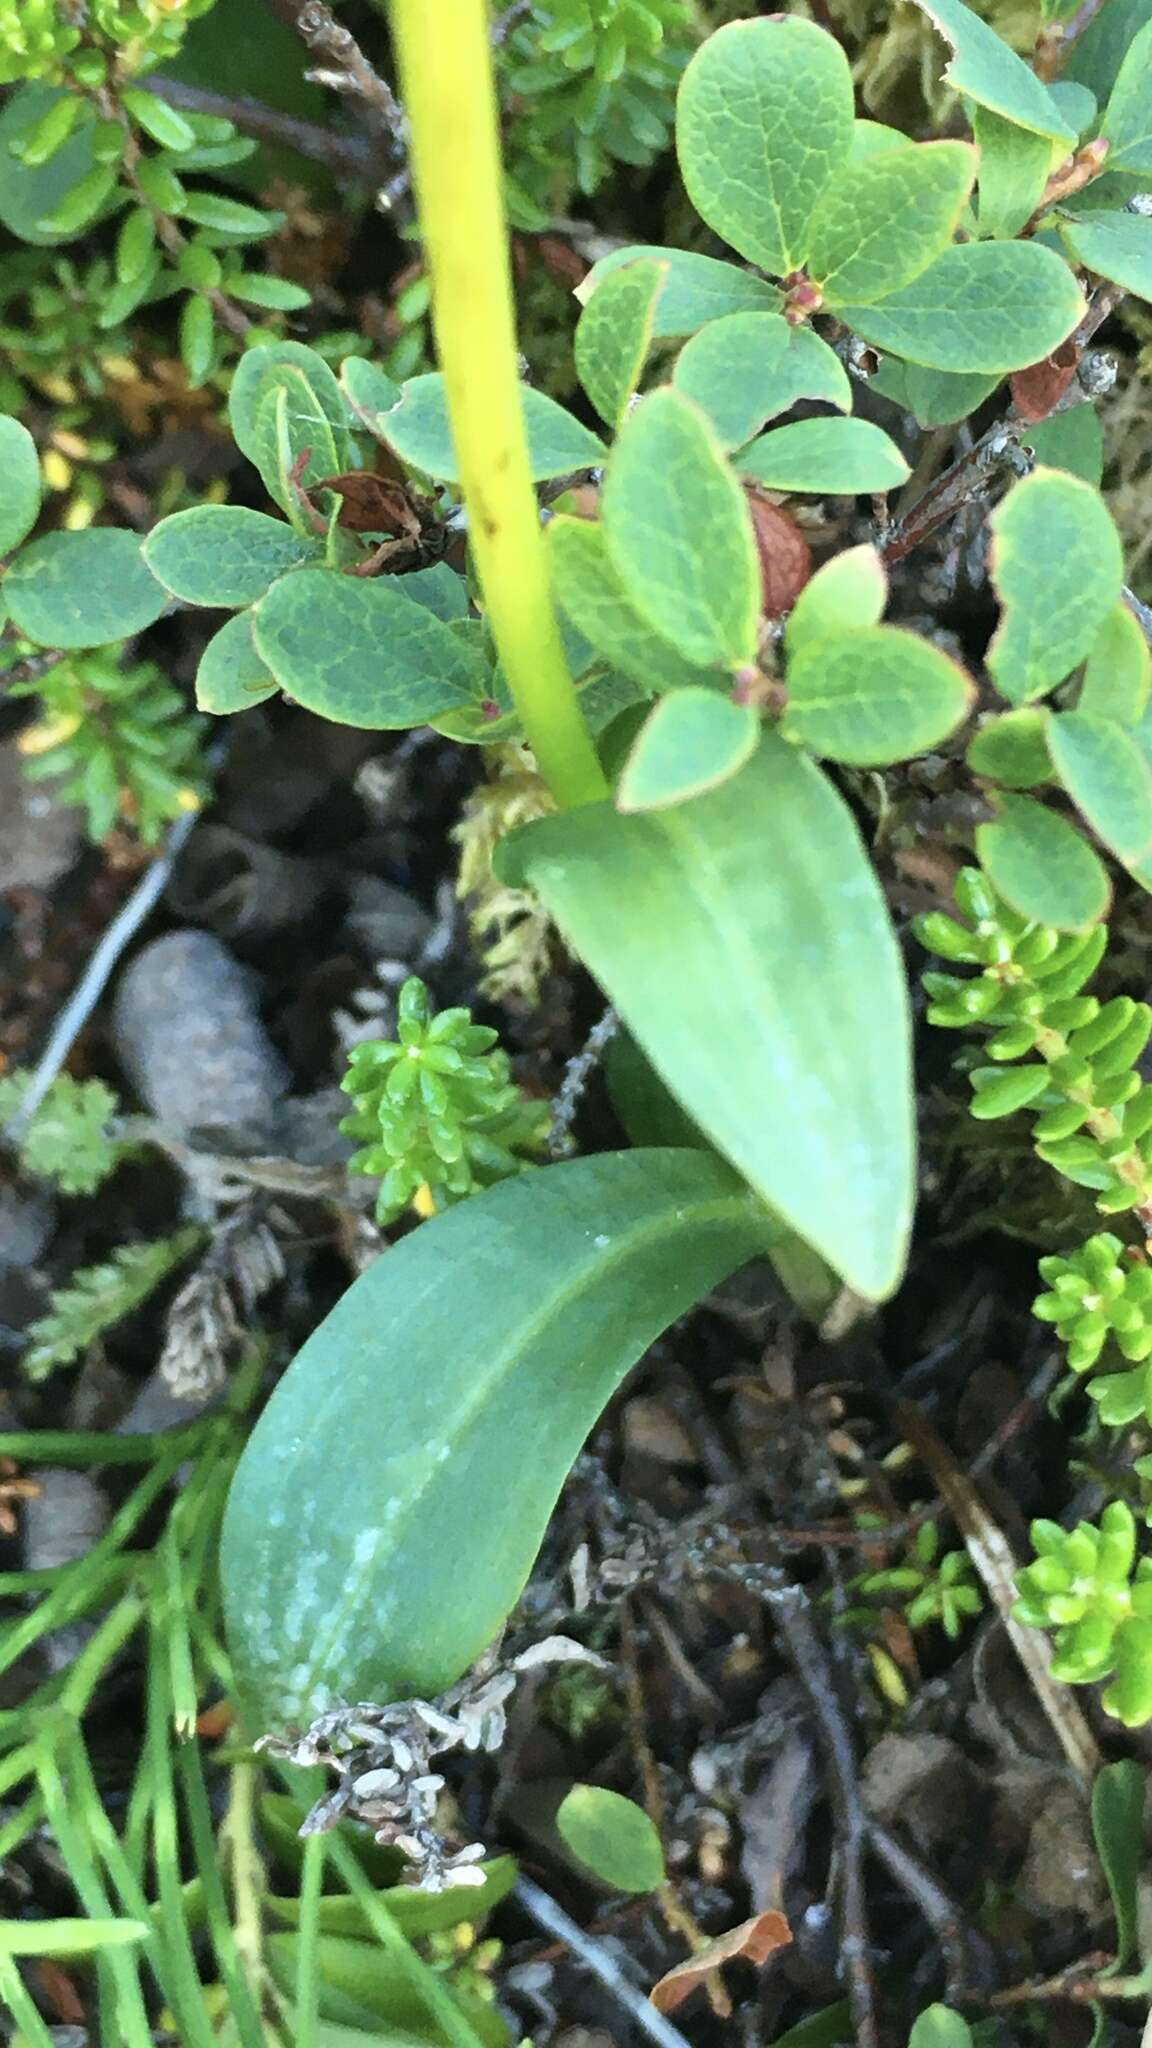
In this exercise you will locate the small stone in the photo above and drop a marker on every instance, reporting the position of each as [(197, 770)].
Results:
[(189, 1034)]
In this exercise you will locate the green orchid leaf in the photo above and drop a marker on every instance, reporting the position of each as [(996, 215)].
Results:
[(317, 402), (679, 532), (20, 505), (591, 592), (418, 430), (935, 398), (987, 71), (370, 391), (224, 555), (691, 741), (763, 123), (88, 1937), (612, 1837), (882, 222), (1058, 570), (1127, 119), (1013, 749), (848, 594), (764, 1010), (416, 1912), (1109, 779), (1071, 440), (981, 306), (1097, 55), (748, 367), (435, 1400), (82, 589), (873, 695), (696, 289), (1014, 168), (614, 333), (361, 653), (1042, 867), (231, 675), (1117, 246), (825, 455), (1118, 672)]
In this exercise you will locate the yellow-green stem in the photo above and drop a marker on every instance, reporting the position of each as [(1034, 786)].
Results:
[(446, 79)]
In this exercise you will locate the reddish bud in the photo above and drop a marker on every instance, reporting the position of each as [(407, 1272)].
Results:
[(785, 556)]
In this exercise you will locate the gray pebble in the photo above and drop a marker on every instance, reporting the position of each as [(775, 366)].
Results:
[(188, 1032)]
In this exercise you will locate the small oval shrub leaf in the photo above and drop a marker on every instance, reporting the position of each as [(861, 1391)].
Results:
[(1042, 866), (692, 740), (872, 696), (696, 289), (825, 455), (231, 675), (612, 1837), (591, 593), (20, 497), (82, 589), (1058, 570), (679, 533), (987, 71), (614, 332), (361, 653), (845, 595), (418, 430), (882, 223), (980, 306), (1118, 672), (763, 123), (1109, 779), (224, 555)]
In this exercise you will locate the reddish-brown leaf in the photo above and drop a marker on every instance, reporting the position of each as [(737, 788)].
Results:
[(371, 504), (785, 556), (754, 1941), (1036, 389)]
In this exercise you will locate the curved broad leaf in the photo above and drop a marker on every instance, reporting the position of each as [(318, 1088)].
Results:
[(825, 455), (846, 594), (1108, 777), (1071, 440), (984, 69), (294, 445), (389, 1504), (369, 390), (231, 675), (1114, 245), (745, 942), (1042, 866), (20, 501), (981, 306), (872, 696), (882, 222), (362, 653), (591, 592), (1127, 119), (418, 430), (696, 288), (935, 398), (763, 122), (224, 555), (679, 532), (1058, 569), (82, 589), (613, 335), (691, 741)]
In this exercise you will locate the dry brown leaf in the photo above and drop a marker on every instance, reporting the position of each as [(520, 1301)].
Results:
[(1036, 390), (753, 1942), (785, 556)]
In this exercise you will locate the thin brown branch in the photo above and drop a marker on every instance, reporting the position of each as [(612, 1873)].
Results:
[(344, 69), (348, 156)]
